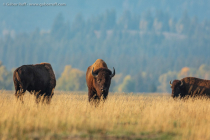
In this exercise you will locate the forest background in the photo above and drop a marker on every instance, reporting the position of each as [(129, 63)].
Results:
[(148, 43)]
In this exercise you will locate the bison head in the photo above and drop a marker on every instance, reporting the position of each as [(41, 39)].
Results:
[(177, 88), (102, 81)]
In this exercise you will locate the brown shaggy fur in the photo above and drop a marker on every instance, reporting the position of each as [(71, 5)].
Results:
[(94, 91), (99, 63), (191, 86), (38, 79)]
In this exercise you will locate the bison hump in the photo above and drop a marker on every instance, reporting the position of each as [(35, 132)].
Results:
[(44, 63), (99, 63)]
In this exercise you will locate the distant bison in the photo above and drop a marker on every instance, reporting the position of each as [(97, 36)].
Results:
[(98, 78), (38, 78), (190, 86)]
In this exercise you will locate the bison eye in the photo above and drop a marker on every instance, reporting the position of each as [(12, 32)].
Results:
[(99, 80)]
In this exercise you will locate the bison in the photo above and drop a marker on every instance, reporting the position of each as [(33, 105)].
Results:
[(190, 86), (98, 79), (38, 79)]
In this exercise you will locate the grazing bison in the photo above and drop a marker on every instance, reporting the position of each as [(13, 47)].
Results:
[(38, 79), (98, 78), (190, 86)]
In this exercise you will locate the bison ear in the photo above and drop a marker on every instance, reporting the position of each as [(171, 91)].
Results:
[(94, 74), (113, 73)]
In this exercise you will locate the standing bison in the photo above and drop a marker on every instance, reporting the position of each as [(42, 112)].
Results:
[(38, 78), (190, 86), (98, 78)]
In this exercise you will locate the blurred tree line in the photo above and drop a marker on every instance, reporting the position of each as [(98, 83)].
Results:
[(144, 49), (6, 78), (202, 72)]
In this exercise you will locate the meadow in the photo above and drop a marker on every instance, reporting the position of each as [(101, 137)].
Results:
[(122, 116)]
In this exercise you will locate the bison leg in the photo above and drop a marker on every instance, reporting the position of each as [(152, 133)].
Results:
[(46, 99), (19, 94), (37, 96), (91, 95), (22, 89), (104, 96), (93, 98), (17, 90), (48, 96)]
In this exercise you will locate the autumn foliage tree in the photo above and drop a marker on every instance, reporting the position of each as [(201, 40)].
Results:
[(202, 72), (5, 78), (71, 80)]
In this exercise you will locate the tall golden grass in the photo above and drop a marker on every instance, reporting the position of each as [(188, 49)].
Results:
[(122, 116)]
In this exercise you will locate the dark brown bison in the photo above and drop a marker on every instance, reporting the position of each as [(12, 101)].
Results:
[(98, 78), (190, 86), (38, 79)]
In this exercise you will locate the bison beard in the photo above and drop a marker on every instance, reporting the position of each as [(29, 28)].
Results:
[(98, 78), (190, 86), (38, 79)]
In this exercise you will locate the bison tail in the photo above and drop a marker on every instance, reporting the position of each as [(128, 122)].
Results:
[(16, 76), (15, 80)]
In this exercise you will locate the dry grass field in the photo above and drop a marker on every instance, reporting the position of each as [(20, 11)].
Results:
[(122, 116)]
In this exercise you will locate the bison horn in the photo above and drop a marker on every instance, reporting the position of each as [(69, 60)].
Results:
[(94, 74), (112, 75), (181, 83), (170, 83)]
